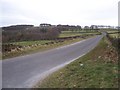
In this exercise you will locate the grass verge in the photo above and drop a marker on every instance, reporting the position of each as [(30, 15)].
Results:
[(97, 69)]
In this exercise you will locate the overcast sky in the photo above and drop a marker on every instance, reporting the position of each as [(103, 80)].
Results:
[(72, 12)]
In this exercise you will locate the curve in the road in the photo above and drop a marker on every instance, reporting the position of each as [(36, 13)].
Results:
[(25, 71)]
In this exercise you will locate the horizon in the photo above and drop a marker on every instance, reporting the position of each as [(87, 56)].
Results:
[(56, 25)]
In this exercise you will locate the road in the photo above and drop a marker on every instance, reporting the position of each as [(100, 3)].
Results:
[(25, 71)]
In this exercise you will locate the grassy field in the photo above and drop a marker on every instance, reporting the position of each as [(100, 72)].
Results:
[(27, 43), (82, 33), (113, 31), (114, 35), (97, 69), (69, 34)]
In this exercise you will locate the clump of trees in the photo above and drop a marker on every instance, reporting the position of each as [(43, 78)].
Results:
[(69, 27)]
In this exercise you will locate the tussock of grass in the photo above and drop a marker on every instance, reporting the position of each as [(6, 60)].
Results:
[(94, 70)]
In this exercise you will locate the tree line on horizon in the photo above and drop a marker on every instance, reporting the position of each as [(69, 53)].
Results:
[(30, 32)]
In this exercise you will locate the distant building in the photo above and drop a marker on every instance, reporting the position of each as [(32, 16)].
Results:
[(118, 27), (105, 27)]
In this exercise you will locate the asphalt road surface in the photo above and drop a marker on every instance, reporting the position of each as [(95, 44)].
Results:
[(25, 71)]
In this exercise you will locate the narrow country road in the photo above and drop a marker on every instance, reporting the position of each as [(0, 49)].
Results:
[(25, 71)]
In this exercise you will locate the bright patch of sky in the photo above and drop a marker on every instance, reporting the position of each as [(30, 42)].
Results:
[(71, 12)]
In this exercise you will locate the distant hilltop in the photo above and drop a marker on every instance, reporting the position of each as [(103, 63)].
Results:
[(17, 27)]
